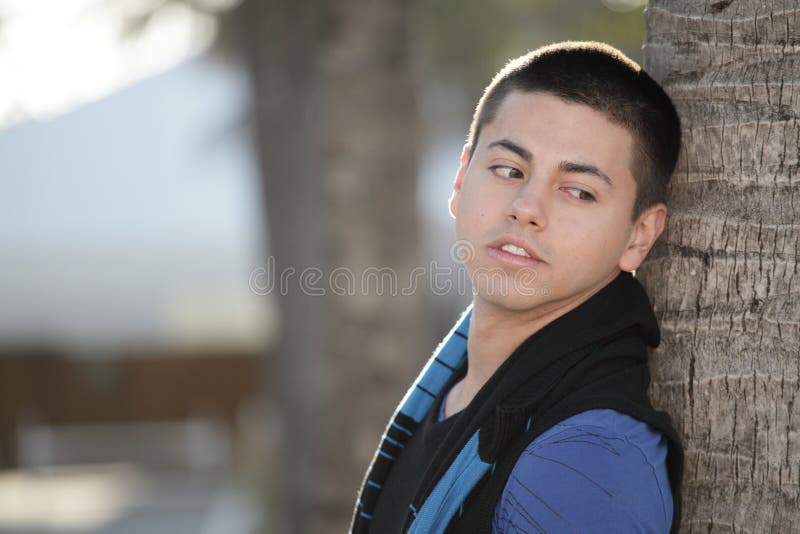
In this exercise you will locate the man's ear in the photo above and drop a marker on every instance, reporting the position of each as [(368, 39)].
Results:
[(646, 229), (462, 170)]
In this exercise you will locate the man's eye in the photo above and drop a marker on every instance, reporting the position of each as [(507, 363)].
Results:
[(580, 194), (507, 172)]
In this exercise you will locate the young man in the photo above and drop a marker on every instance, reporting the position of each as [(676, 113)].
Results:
[(532, 415)]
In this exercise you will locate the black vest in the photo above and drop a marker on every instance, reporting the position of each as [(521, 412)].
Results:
[(595, 356)]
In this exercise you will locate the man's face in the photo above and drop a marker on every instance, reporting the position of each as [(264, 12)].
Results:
[(552, 178)]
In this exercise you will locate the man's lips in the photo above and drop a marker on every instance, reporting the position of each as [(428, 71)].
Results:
[(495, 248)]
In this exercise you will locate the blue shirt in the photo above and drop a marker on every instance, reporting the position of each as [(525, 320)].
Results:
[(597, 471)]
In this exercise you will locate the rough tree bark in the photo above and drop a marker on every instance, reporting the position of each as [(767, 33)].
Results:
[(337, 135), (724, 278)]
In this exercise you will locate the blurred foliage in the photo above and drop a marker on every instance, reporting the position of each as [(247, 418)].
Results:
[(462, 43)]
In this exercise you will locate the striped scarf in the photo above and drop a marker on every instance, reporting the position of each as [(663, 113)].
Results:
[(466, 470)]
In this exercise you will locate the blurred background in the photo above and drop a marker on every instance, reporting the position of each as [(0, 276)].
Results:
[(191, 192)]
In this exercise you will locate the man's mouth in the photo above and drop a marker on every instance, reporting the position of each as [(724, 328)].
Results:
[(516, 246), (514, 251)]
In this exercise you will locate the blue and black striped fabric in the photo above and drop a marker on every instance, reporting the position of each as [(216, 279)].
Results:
[(448, 357)]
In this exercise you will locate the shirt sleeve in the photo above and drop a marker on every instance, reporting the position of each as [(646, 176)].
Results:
[(598, 471)]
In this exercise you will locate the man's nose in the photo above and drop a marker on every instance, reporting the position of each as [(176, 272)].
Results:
[(528, 205)]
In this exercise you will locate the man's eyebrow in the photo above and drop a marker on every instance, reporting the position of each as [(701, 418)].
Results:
[(513, 147), (585, 168)]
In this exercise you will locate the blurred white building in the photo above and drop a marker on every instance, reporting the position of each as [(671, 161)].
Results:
[(134, 218)]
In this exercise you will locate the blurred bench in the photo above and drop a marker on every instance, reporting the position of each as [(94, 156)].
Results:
[(46, 388)]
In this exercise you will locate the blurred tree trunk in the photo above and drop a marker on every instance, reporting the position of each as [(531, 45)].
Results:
[(724, 278), (337, 132)]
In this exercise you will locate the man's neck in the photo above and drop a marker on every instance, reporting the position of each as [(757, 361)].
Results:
[(494, 333), (492, 338)]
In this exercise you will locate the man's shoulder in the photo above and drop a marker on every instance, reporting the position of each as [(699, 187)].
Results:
[(606, 422), (597, 471)]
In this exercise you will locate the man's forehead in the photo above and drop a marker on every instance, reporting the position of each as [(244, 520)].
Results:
[(522, 114), (523, 106)]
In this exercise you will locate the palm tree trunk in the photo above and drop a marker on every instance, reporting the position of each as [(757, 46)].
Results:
[(337, 135), (724, 278)]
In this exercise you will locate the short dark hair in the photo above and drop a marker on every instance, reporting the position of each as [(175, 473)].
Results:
[(603, 78)]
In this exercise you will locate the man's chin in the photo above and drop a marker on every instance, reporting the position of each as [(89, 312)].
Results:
[(518, 303)]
